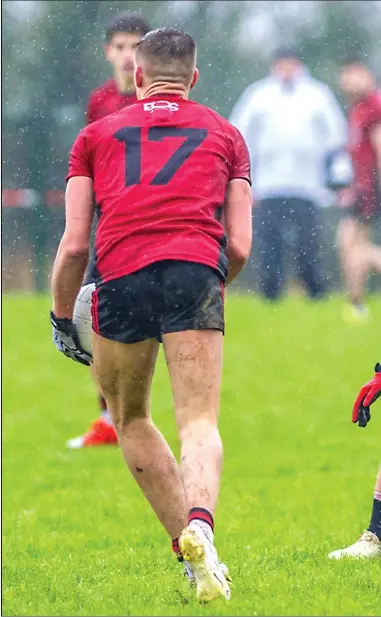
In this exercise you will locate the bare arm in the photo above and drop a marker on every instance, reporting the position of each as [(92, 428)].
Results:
[(238, 225), (375, 136), (73, 251)]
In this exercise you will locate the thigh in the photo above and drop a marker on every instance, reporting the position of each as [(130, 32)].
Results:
[(192, 297), (267, 215), (308, 223), (269, 223), (193, 324), (124, 373), (352, 233), (128, 309), (194, 360)]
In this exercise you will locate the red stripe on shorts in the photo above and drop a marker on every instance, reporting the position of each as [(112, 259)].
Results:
[(94, 311)]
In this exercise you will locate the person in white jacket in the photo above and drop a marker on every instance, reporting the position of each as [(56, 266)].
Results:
[(295, 130)]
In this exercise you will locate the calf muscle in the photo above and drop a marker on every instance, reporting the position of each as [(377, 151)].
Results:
[(194, 361), (125, 374)]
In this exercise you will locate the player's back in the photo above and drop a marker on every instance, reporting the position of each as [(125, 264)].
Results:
[(161, 169)]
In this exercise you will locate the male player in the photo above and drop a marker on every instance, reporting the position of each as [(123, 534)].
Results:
[(170, 176), (122, 35), (369, 544), (359, 255)]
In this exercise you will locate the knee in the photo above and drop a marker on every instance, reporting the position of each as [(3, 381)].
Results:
[(199, 430), (125, 415)]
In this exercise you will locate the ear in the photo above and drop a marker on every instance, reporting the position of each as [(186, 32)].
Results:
[(107, 51), (138, 77), (195, 78)]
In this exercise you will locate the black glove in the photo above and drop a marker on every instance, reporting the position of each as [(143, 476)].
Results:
[(66, 340)]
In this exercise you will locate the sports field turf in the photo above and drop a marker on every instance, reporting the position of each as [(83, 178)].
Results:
[(79, 538)]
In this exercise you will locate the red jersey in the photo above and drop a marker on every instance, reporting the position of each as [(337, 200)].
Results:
[(105, 100), (363, 116), (160, 170)]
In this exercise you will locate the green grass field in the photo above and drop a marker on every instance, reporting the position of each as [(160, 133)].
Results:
[(78, 537)]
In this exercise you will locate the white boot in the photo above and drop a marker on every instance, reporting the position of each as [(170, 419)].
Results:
[(201, 556), (366, 547)]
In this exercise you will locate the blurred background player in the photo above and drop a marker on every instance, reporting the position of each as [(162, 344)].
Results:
[(177, 169), (122, 35), (359, 255), (369, 544), (292, 124)]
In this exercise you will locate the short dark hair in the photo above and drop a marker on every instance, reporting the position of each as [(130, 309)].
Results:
[(287, 52), (353, 59), (131, 23), (167, 49)]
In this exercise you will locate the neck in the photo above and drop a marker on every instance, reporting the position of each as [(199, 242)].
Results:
[(360, 96), (124, 82), (164, 87)]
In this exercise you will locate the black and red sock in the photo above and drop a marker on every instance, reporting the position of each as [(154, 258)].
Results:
[(201, 514), (195, 514), (102, 403), (176, 549)]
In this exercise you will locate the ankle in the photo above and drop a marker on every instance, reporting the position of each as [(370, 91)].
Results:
[(203, 519), (176, 549), (102, 403), (375, 521), (105, 415)]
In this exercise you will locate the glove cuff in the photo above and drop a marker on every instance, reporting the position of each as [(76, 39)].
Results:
[(59, 322)]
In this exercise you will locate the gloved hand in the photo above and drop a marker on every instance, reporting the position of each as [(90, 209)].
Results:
[(366, 397), (66, 340)]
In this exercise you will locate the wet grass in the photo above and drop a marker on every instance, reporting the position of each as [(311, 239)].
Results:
[(79, 539)]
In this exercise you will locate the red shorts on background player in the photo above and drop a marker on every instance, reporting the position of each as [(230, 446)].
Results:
[(121, 36), (359, 254)]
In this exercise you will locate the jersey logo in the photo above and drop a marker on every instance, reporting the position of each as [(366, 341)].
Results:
[(153, 105)]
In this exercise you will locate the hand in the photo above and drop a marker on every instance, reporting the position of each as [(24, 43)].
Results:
[(368, 394), (345, 198), (66, 340)]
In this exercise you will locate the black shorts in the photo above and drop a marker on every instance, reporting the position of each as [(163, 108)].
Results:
[(167, 296)]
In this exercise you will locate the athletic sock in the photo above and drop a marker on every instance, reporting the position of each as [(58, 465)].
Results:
[(359, 305), (375, 521), (102, 403), (202, 518), (105, 414), (176, 549)]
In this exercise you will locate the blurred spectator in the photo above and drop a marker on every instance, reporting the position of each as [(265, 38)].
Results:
[(359, 255), (294, 128)]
